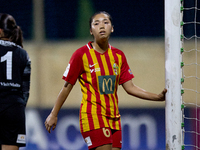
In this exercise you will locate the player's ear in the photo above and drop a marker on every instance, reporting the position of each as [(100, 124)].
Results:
[(112, 30), (91, 32)]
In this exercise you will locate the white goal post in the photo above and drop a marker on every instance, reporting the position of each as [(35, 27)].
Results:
[(173, 72)]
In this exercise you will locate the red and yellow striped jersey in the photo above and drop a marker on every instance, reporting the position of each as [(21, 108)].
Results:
[(99, 76)]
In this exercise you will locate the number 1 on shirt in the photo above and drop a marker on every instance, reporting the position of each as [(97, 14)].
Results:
[(8, 58)]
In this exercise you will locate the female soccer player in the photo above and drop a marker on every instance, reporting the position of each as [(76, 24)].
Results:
[(100, 68), (14, 84)]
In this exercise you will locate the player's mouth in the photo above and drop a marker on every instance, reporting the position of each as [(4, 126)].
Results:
[(102, 32)]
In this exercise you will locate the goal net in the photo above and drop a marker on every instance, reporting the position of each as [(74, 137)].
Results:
[(190, 37)]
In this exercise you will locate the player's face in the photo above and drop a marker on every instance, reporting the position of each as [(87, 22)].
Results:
[(101, 26)]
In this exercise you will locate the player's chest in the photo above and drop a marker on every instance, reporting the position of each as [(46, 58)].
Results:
[(103, 66)]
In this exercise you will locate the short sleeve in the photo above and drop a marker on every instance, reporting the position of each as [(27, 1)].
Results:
[(74, 68), (126, 73)]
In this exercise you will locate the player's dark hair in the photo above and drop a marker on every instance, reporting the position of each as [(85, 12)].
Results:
[(100, 12), (10, 29)]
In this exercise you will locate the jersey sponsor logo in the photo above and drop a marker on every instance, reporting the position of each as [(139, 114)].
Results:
[(92, 69), (21, 138), (88, 141), (10, 84), (8, 43), (107, 84)]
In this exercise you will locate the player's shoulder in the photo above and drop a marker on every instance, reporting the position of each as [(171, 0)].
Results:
[(20, 52), (116, 50), (85, 48), (10, 46), (82, 49)]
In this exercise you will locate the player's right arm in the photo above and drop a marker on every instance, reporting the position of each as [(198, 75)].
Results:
[(26, 80), (51, 120)]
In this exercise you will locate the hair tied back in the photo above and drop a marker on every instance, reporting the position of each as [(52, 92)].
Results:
[(15, 26)]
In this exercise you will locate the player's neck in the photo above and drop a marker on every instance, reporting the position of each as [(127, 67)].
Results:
[(5, 39), (101, 47)]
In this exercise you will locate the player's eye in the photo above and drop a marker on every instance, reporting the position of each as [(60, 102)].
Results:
[(96, 23)]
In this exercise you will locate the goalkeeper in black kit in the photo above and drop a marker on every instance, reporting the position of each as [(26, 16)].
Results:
[(15, 69)]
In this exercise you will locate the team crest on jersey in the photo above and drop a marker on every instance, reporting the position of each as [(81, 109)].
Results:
[(115, 68)]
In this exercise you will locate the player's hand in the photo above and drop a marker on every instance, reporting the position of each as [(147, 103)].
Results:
[(51, 122), (162, 95)]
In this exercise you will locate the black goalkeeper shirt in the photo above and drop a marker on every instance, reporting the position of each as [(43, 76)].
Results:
[(15, 69)]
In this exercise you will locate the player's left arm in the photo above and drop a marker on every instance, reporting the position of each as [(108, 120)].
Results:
[(136, 91)]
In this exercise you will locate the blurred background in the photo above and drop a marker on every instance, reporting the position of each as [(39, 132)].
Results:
[(54, 29)]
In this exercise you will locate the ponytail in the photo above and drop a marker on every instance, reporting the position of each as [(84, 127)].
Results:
[(11, 30), (17, 36)]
